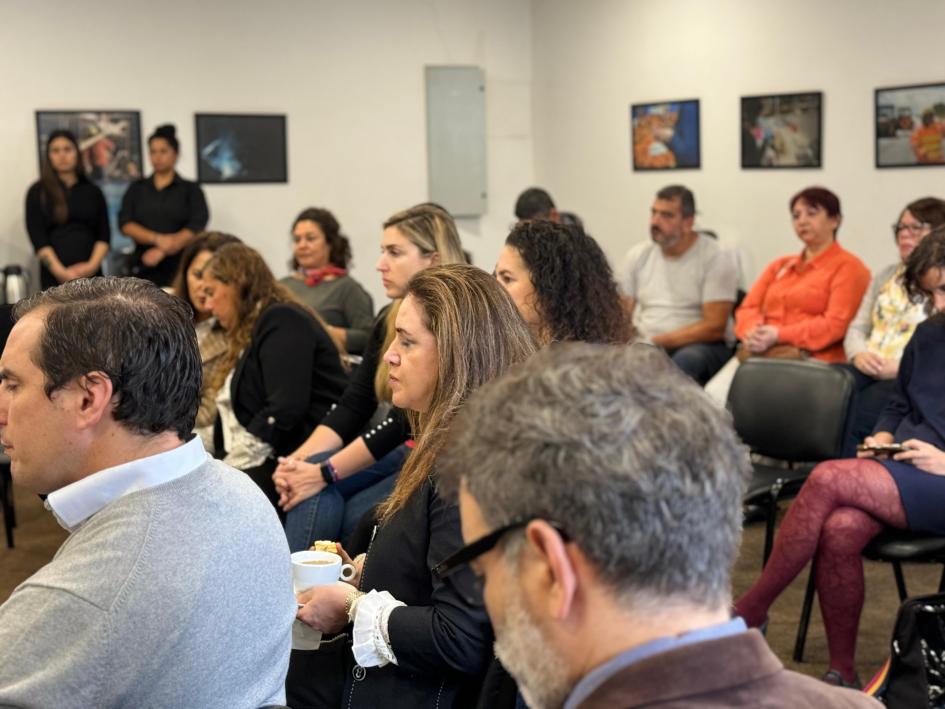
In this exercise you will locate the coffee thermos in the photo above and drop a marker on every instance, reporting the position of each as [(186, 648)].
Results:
[(15, 284)]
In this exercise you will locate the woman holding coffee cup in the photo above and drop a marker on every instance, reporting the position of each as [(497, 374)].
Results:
[(417, 641)]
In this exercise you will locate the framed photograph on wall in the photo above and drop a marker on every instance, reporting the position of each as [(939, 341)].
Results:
[(665, 135), (110, 145), (910, 125), (782, 130), (240, 149)]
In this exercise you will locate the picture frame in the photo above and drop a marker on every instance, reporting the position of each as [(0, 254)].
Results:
[(665, 135), (241, 148), (111, 149), (909, 125), (782, 131)]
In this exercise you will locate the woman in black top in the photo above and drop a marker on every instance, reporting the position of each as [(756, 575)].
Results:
[(66, 216), (416, 641), (281, 372), (162, 213)]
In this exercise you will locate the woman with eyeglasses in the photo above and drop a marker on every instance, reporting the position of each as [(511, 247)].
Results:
[(417, 640), (885, 321)]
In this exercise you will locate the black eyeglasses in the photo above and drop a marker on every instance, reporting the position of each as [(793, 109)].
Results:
[(913, 229), (456, 572)]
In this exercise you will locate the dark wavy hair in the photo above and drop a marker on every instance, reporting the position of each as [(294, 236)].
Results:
[(339, 248), (577, 296), (929, 254)]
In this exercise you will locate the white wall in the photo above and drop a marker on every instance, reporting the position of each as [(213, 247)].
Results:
[(591, 59), (349, 75)]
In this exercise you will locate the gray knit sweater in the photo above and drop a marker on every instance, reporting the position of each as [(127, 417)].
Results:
[(179, 595)]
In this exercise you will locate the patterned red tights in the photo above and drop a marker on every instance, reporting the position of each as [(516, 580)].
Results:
[(843, 505)]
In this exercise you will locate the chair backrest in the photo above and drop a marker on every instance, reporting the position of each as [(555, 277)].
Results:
[(792, 410)]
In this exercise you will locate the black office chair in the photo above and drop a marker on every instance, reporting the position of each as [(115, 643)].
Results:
[(893, 546), (793, 411)]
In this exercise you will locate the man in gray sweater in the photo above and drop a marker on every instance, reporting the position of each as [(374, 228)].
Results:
[(174, 587)]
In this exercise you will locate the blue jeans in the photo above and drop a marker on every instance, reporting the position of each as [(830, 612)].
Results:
[(870, 400), (333, 513), (702, 360)]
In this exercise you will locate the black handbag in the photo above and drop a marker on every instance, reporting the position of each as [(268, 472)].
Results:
[(914, 675)]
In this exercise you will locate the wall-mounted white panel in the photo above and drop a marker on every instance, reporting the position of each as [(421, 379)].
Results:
[(456, 138)]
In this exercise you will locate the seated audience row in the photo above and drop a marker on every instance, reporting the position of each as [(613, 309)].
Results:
[(419, 637), (845, 503)]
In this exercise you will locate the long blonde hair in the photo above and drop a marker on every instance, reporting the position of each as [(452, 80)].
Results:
[(256, 288), (431, 229), (479, 334)]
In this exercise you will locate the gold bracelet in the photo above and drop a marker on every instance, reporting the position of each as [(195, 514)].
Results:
[(352, 597)]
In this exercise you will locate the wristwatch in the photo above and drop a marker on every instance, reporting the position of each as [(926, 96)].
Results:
[(329, 474)]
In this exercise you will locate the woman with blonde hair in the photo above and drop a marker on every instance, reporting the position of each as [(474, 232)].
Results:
[(343, 470), (417, 641), (281, 372)]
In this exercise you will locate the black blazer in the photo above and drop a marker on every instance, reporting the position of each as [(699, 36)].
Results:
[(287, 378), (442, 645)]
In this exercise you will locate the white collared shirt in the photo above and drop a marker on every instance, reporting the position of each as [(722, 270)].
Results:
[(76, 502)]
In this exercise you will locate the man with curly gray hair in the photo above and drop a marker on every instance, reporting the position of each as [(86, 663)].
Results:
[(600, 492)]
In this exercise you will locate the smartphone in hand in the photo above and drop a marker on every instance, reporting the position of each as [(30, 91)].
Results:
[(885, 449)]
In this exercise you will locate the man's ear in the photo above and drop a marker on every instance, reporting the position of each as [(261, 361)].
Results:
[(558, 575), (94, 393)]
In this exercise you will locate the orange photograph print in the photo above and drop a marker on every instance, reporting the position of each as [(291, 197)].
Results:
[(910, 126), (665, 136)]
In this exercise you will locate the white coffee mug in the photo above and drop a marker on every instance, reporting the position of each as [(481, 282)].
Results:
[(317, 568), (314, 568)]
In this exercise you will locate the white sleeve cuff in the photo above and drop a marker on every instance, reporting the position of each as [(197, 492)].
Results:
[(371, 642)]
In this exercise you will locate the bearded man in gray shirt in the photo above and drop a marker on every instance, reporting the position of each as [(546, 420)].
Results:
[(680, 287), (174, 587)]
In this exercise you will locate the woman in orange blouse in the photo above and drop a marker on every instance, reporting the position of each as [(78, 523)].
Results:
[(806, 301)]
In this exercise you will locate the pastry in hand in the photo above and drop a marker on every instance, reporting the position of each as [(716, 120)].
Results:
[(321, 545)]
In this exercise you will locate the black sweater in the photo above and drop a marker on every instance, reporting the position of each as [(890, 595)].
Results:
[(359, 402), (287, 378)]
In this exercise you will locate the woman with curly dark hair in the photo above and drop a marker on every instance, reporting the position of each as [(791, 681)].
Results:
[(562, 285)]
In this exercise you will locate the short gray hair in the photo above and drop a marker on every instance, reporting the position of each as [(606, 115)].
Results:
[(634, 461)]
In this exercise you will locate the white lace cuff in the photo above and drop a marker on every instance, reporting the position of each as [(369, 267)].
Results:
[(371, 642)]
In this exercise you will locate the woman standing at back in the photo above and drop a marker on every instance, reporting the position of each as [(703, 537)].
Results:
[(162, 213), (66, 215)]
